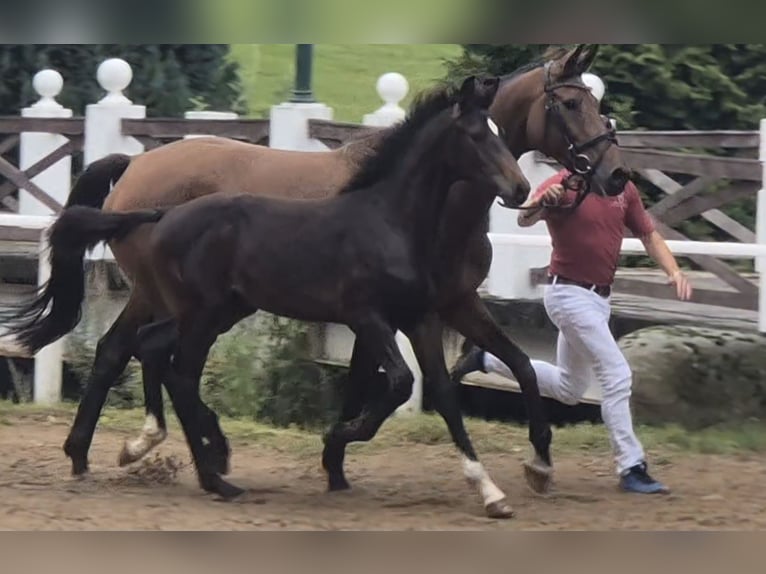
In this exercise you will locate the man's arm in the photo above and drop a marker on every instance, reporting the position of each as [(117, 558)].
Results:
[(659, 251), (640, 223)]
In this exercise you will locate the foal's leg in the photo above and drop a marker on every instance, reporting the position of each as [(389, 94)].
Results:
[(471, 318), (427, 343), (194, 341), (113, 352), (363, 371), (378, 337)]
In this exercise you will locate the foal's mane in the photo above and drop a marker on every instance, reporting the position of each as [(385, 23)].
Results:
[(394, 145)]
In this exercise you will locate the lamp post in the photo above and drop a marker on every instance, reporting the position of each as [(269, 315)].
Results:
[(303, 59)]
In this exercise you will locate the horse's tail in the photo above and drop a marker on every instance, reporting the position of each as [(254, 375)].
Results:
[(94, 184), (76, 230)]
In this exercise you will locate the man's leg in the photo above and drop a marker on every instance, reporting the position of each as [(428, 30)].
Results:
[(566, 381), (583, 318)]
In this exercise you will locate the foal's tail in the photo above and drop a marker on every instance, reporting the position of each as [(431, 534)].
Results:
[(94, 184), (76, 230)]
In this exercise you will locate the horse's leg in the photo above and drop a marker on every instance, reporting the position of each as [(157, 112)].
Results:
[(471, 318), (427, 343), (379, 339), (156, 342), (363, 370), (194, 342), (154, 430), (113, 352)]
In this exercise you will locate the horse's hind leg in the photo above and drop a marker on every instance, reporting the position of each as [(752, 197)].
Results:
[(156, 342), (113, 352), (427, 343)]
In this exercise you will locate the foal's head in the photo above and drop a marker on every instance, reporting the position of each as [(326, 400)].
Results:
[(447, 137), (477, 154), (562, 118)]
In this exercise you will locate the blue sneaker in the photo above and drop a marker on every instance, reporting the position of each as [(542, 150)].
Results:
[(637, 479)]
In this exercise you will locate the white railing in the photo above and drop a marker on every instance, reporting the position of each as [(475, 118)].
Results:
[(721, 249), (49, 361)]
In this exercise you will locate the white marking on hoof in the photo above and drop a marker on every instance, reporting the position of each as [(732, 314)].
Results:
[(151, 436), (477, 476)]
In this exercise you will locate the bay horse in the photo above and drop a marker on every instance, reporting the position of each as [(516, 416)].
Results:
[(543, 106), (367, 257)]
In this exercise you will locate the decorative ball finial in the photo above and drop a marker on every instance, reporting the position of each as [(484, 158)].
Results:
[(392, 88), (114, 75), (48, 84), (595, 84)]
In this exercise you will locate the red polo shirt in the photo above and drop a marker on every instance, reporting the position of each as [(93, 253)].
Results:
[(586, 242)]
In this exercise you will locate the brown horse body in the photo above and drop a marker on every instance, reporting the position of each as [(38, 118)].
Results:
[(544, 108)]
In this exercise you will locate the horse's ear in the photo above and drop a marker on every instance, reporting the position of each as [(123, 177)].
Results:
[(585, 61), (570, 67), (579, 60), (466, 95), (467, 88)]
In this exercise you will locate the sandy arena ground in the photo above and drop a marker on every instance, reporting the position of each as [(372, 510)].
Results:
[(394, 488)]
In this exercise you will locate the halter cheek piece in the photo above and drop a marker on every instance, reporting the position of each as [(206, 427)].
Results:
[(579, 163)]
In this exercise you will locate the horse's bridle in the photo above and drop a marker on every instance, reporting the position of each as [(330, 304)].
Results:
[(580, 164)]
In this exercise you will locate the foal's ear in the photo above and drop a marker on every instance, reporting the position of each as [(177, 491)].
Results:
[(477, 93), (467, 90)]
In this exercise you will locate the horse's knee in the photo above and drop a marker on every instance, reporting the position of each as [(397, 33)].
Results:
[(401, 386)]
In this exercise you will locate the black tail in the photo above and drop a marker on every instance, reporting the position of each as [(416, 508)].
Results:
[(94, 184), (76, 230)]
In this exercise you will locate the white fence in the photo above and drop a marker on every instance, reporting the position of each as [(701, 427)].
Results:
[(516, 250)]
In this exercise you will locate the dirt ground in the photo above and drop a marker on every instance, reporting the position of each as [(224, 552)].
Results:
[(398, 488)]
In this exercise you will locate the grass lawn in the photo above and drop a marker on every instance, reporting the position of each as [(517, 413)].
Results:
[(430, 429), (344, 76)]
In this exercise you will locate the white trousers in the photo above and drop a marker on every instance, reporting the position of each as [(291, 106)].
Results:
[(586, 348)]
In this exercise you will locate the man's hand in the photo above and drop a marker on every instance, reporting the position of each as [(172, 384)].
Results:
[(683, 287), (551, 196)]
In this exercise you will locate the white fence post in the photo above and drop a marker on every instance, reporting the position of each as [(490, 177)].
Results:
[(34, 146), (392, 88), (760, 230), (103, 132), (49, 361)]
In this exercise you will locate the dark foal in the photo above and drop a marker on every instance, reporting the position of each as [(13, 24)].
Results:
[(368, 258)]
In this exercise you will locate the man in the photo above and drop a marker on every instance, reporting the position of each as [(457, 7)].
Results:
[(586, 248)]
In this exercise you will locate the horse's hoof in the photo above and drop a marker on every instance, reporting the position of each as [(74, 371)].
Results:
[(126, 457), (539, 476), (499, 509), (337, 485), (225, 490)]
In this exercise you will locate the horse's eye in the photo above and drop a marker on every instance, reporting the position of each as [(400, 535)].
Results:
[(571, 104)]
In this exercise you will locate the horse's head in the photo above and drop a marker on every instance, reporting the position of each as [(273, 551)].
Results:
[(563, 120), (481, 156)]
